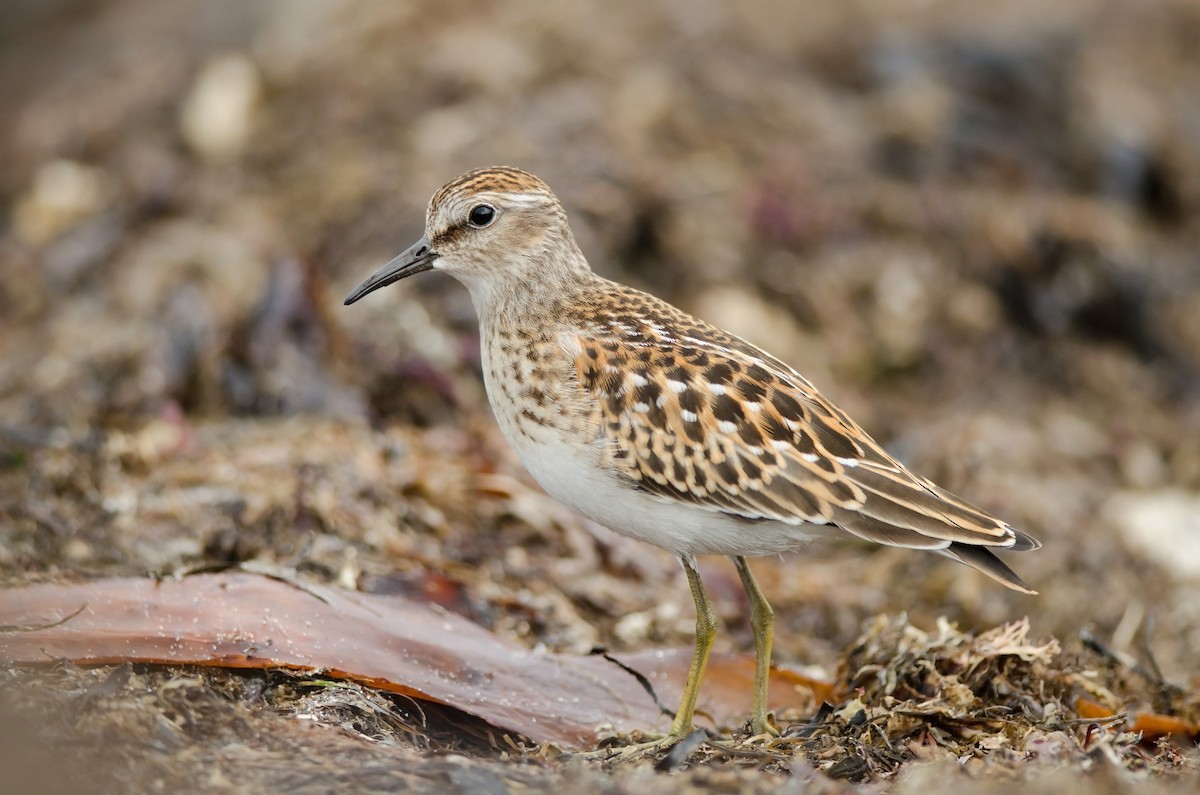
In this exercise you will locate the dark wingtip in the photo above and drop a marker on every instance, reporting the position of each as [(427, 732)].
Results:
[(981, 558), (1024, 542)]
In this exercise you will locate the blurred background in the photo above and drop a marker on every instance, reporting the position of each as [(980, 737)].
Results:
[(975, 226)]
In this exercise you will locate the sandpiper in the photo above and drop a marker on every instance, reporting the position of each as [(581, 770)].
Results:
[(663, 427)]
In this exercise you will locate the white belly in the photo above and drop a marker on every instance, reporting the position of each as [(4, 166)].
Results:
[(567, 474)]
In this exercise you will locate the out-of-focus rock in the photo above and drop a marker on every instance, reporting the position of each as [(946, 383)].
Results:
[(218, 114), (63, 193), (1164, 525)]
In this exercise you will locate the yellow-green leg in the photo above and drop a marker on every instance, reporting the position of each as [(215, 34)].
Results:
[(762, 621), (706, 630)]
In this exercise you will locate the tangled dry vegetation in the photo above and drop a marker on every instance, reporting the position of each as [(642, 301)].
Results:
[(975, 228), (996, 701)]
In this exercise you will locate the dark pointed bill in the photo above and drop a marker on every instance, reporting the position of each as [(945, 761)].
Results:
[(417, 258)]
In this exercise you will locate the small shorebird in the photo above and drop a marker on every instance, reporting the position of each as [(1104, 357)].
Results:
[(663, 427)]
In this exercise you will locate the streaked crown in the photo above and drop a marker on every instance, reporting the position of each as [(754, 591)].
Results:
[(496, 180)]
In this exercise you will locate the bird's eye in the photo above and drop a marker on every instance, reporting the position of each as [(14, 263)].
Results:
[(481, 215)]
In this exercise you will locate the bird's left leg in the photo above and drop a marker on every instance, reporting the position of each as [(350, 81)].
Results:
[(762, 621)]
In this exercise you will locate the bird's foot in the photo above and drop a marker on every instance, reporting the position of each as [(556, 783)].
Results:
[(668, 749), (762, 726)]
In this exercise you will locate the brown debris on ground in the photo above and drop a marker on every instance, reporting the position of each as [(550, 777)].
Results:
[(978, 705)]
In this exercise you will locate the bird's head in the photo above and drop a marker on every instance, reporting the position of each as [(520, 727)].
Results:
[(494, 229)]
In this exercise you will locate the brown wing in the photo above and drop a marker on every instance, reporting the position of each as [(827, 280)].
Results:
[(695, 415)]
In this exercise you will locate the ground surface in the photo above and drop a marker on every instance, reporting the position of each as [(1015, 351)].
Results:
[(977, 229)]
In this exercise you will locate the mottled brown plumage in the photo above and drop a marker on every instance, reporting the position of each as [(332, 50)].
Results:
[(662, 426), (698, 415)]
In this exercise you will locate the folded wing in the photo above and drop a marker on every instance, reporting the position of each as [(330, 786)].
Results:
[(699, 416)]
